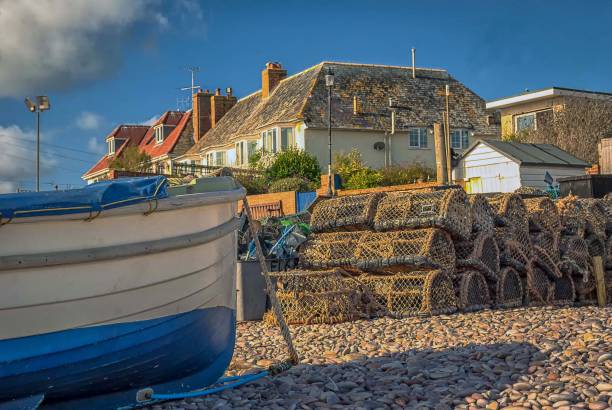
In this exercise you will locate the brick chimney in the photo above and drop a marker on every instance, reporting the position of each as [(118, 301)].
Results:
[(201, 114), (220, 105), (270, 77)]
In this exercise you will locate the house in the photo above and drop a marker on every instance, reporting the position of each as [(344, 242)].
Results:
[(534, 109), (502, 166), (168, 137), (385, 112)]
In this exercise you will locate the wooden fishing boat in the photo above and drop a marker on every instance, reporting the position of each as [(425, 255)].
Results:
[(113, 288)]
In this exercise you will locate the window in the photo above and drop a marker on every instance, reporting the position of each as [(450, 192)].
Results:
[(418, 138), (251, 149), (239, 153), (219, 158), (111, 146), (268, 139), (460, 139), (287, 139), (525, 122)]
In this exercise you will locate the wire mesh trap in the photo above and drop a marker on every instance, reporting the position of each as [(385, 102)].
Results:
[(513, 255), (575, 256), (330, 249), (483, 215), (509, 209), (546, 263), (597, 246), (609, 253), (542, 214), (353, 212), (413, 293), (517, 234), (447, 209), (481, 252), (315, 297), (507, 292), (582, 216), (539, 290), (584, 284), (548, 241), (471, 290), (564, 291), (397, 250)]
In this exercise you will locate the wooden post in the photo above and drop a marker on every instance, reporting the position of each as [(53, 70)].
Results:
[(440, 151), (600, 281)]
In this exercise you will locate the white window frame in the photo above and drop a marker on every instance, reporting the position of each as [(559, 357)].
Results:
[(272, 135), (529, 114), (159, 134), (290, 140), (464, 143), (423, 136), (111, 146)]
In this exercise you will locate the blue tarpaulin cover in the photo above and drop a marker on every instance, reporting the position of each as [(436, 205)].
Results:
[(96, 197)]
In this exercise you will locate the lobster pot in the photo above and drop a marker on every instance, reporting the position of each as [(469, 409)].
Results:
[(471, 290), (330, 249), (582, 216), (547, 241), (546, 263), (481, 252), (564, 290), (513, 255), (507, 292), (539, 289), (597, 246), (575, 255), (585, 284), (509, 209), (346, 213), (413, 293), (483, 216), (504, 234), (609, 253), (542, 214), (402, 250), (447, 209), (314, 297)]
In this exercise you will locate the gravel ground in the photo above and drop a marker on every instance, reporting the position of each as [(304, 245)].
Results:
[(538, 358)]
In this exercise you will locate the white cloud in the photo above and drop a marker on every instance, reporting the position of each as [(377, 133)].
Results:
[(18, 158), (89, 121), (151, 120), (95, 144), (53, 44), (161, 20)]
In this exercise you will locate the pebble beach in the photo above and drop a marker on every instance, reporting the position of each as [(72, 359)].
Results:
[(524, 358)]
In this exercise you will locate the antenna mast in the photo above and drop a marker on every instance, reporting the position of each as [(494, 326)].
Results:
[(193, 87)]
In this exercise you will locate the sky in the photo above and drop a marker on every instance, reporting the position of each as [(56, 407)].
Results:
[(104, 63)]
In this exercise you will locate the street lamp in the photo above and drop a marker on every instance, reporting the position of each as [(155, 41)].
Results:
[(329, 82), (42, 104)]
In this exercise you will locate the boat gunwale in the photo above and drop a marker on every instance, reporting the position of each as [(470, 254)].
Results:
[(14, 262)]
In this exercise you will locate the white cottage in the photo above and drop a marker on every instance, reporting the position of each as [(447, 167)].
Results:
[(502, 166)]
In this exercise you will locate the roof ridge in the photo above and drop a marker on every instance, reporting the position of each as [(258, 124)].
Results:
[(384, 66)]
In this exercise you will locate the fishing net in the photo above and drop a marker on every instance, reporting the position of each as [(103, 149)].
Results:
[(483, 216), (331, 249), (508, 290), (353, 212), (575, 256), (548, 241), (546, 263), (564, 291), (543, 214), (608, 279), (513, 255), (396, 250), (539, 290), (471, 290), (480, 252), (597, 246), (582, 216), (314, 297), (447, 209), (609, 253), (510, 210), (585, 285), (413, 293)]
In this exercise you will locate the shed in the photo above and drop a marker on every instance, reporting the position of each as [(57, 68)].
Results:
[(503, 166)]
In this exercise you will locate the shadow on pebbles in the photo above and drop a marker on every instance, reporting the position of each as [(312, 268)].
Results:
[(537, 358)]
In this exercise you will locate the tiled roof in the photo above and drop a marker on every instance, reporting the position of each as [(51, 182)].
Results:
[(304, 96), (180, 120), (132, 134)]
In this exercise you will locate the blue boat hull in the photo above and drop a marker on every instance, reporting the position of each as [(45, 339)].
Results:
[(170, 354)]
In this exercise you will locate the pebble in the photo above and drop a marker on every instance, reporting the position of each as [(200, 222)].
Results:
[(546, 358)]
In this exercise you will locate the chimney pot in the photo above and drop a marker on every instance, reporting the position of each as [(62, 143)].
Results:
[(229, 91), (218, 91), (271, 76)]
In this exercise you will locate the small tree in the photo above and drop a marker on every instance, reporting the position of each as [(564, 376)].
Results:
[(294, 163), (131, 159)]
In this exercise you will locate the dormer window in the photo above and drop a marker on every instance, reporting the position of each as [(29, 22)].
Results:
[(111, 146), (159, 134)]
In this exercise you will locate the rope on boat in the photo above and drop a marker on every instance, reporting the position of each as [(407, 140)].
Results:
[(270, 288)]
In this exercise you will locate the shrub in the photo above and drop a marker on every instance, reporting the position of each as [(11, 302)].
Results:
[(131, 159), (290, 184), (397, 175), (346, 165), (254, 184), (294, 163), (363, 178)]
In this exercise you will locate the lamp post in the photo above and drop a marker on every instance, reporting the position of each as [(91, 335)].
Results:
[(42, 104), (329, 82)]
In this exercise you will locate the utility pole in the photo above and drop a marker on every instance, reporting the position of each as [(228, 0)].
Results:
[(446, 94)]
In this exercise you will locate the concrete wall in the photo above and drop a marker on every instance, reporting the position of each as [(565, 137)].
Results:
[(508, 114)]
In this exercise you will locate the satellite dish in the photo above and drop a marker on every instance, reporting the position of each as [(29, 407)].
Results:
[(379, 146)]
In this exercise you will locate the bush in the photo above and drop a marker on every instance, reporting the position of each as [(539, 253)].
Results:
[(363, 178), (253, 184), (405, 175), (294, 163), (290, 184), (346, 165)]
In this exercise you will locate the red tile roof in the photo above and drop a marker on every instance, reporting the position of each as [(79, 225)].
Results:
[(177, 119), (132, 136)]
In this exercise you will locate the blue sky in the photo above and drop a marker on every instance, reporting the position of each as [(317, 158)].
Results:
[(123, 61)]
